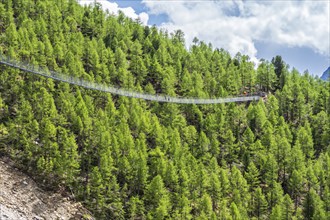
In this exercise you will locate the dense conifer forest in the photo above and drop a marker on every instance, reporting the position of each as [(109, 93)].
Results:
[(127, 158)]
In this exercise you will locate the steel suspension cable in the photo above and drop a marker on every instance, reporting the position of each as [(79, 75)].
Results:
[(118, 91)]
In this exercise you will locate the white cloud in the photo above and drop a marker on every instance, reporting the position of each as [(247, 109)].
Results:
[(113, 7), (236, 25)]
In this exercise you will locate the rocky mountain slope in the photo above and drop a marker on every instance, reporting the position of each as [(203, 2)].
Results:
[(21, 198)]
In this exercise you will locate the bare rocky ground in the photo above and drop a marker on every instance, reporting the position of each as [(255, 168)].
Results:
[(21, 198)]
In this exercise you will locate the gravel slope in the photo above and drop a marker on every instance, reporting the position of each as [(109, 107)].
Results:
[(21, 198)]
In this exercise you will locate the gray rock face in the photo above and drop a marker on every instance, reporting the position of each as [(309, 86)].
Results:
[(8, 213), (21, 198)]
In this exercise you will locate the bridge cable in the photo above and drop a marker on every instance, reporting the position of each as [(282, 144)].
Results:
[(117, 91)]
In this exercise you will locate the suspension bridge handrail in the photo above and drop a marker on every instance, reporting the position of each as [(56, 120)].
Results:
[(118, 91)]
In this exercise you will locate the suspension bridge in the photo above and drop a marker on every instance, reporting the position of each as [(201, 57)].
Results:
[(117, 91)]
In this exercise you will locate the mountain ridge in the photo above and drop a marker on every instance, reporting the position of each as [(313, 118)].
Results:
[(326, 74)]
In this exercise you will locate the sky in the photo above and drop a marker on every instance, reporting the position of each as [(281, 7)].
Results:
[(299, 31)]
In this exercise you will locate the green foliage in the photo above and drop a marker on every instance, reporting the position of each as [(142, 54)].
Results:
[(157, 199), (135, 159)]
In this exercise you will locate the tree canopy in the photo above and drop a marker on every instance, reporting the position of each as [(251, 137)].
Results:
[(126, 158)]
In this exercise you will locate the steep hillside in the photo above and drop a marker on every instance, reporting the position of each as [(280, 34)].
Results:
[(127, 158), (20, 198)]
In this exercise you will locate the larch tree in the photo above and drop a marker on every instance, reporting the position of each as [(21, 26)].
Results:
[(157, 200)]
